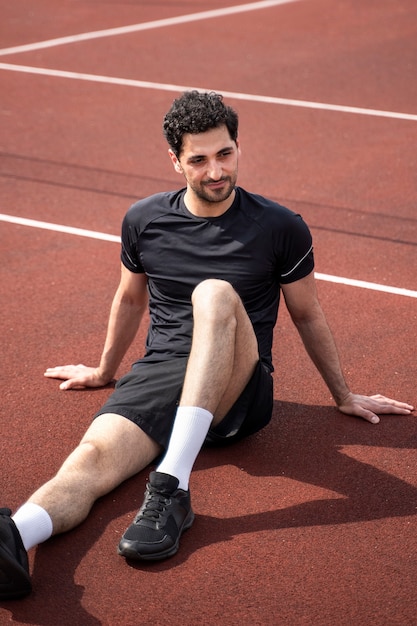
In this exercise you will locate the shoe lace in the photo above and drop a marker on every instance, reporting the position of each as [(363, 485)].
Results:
[(154, 505)]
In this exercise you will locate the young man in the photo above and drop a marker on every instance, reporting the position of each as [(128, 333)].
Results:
[(210, 261)]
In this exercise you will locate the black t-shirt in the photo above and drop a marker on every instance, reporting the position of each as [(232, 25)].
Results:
[(256, 245)]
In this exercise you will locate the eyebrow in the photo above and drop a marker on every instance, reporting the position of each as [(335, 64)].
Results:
[(203, 156)]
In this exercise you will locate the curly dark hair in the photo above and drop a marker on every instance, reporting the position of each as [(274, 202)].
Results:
[(196, 112)]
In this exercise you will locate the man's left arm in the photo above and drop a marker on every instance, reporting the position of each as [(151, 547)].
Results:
[(306, 313)]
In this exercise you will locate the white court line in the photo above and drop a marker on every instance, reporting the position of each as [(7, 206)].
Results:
[(133, 28), (81, 232), (127, 82), (363, 284)]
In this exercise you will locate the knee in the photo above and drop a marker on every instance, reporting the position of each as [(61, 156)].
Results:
[(86, 458), (213, 290), (214, 297), (88, 466)]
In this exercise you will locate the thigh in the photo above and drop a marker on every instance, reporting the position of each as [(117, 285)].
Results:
[(246, 357), (148, 396), (250, 413)]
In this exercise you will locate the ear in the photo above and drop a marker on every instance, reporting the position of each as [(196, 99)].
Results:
[(175, 160)]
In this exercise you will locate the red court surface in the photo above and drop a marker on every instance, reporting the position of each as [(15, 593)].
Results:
[(313, 520)]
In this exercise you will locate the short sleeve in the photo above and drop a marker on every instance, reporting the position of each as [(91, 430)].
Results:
[(298, 257), (129, 250)]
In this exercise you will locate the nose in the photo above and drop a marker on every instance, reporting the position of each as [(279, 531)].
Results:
[(214, 170)]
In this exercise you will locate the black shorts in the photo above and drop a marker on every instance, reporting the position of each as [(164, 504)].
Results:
[(149, 394)]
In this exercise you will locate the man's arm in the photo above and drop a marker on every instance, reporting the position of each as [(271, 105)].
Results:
[(306, 313), (128, 306)]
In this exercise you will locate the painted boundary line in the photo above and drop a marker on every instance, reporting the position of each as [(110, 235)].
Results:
[(92, 234), (59, 228), (133, 28), (126, 82), (181, 19), (363, 284)]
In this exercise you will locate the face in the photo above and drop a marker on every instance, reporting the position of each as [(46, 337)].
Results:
[(209, 163)]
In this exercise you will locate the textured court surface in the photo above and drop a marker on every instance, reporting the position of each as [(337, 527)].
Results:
[(313, 520)]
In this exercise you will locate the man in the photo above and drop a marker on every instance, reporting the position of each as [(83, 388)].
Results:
[(210, 261)]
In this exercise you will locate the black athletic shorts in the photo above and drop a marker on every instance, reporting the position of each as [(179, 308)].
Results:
[(148, 396)]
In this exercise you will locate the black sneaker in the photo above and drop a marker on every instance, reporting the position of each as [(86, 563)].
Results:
[(14, 568), (156, 530)]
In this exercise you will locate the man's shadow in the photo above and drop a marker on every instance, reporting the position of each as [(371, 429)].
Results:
[(306, 444), (302, 443)]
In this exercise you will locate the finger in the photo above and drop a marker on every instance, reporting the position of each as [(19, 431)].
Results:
[(360, 411), (72, 383), (389, 403), (55, 373), (393, 409), (63, 371), (371, 417), (367, 415)]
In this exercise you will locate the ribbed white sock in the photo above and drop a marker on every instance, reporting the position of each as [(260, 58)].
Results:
[(33, 524), (190, 429)]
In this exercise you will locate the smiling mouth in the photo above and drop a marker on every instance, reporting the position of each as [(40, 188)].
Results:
[(214, 184)]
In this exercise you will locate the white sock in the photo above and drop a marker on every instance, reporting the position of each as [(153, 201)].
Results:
[(33, 524), (190, 429)]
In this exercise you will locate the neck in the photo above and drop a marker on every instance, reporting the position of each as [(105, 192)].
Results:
[(203, 208)]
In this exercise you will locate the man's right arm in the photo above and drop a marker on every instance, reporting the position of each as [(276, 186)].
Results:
[(129, 304)]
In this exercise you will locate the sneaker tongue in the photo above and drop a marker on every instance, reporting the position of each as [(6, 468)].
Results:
[(163, 482)]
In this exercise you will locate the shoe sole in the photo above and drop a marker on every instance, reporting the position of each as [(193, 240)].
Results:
[(18, 582), (130, 553)]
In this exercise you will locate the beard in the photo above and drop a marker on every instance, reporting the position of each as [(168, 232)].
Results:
[(211, 195)]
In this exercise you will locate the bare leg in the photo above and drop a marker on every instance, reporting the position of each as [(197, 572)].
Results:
[(223, 356), (112, 450), (224, 349)]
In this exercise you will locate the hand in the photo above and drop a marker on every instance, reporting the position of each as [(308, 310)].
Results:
[(368, 407), (77, 376)]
